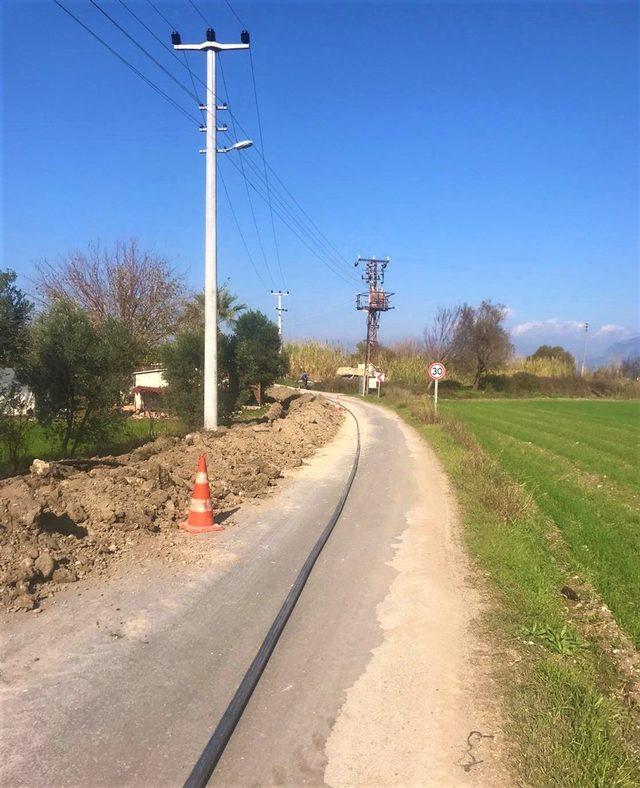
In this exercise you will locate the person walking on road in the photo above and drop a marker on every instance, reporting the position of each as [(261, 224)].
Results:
[(304, 380)]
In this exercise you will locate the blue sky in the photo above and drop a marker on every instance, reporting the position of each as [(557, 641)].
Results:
[(489, 149)]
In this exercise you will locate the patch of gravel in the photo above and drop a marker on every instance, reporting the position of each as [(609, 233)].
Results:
[(64, 521)]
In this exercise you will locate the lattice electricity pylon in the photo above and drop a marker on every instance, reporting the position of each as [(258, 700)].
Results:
[(373, 302)]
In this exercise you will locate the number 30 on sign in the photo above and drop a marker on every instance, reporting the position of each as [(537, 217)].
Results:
[(437, 371)]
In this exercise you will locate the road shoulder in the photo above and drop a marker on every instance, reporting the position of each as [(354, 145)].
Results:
[(424, 710)]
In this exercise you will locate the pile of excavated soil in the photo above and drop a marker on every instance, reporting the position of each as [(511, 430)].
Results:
[(64, 521)]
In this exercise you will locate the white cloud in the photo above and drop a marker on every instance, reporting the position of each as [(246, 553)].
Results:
[(609, 329), (552, 324)]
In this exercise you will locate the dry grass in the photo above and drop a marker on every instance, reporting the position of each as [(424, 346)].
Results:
[(405, 365), (542, 367), (319, 359)]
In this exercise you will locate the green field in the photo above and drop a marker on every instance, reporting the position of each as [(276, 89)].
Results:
[(579, 460), (548, 496)]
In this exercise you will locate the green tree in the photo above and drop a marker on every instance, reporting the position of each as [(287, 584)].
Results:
[(77, 370), (481, 342), (229, 309), (15, 314), (183, 361), (556, 352), (15, 417), (630, 368), (258, 355)]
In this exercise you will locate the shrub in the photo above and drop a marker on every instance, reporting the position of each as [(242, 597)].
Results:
[(258, 359), (15, 422), (183, 360), (77, 371)]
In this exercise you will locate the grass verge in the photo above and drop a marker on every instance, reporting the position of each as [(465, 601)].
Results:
[(571, 716), (124, 436)]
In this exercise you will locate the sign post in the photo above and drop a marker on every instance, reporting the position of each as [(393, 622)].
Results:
[(436, 372)]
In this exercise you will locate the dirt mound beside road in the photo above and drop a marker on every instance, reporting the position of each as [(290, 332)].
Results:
[(65, 521)]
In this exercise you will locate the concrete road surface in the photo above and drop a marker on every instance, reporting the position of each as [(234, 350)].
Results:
[(377, 679)]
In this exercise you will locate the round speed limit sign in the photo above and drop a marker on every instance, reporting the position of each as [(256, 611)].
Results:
[(437, 371)]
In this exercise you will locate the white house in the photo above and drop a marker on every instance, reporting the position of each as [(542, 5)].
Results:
[(23, 401), (147, 384)]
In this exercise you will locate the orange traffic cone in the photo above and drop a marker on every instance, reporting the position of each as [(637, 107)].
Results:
[(200, 519)]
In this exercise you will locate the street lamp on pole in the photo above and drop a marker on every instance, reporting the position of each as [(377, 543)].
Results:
[(585, 326), (236, 146), (211, 47)]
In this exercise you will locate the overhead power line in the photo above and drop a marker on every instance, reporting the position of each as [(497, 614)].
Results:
[(344, 259), (313, 251), (283, 206), (199, 12), (162, 43), (129, 65), (292, 218), (233, 11), (266, 175), (236, 122), (248, 191), (241, 234), (114, 22), (160, 14)]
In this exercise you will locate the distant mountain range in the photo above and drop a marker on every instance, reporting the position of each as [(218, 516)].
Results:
[(617, 352)]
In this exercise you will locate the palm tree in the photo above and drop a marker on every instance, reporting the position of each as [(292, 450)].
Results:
[(228, 307), (192, 318)]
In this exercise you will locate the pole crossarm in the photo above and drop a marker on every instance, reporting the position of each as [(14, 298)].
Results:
[(215, 45), (279, 294)]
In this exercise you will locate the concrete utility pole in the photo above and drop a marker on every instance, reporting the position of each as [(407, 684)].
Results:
[(373, 302), (211, 47), (585, 326), (280, 309)]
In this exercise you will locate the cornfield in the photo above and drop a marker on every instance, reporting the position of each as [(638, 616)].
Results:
[(319, 359)]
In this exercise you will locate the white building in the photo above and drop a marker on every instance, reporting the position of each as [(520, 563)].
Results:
[(24, 402), (147, 384)]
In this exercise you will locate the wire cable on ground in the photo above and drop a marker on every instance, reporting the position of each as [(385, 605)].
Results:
[(202, 771)]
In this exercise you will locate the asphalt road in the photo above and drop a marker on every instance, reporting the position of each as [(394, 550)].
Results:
[(368, 684)]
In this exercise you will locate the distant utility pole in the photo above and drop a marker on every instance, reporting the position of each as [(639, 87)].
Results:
[(373, 302), (211, 47), (585, 326), (280, 309)]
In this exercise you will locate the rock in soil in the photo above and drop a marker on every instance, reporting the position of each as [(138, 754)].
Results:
[(65, 521)]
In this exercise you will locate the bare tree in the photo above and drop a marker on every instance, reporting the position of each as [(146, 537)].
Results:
[(139, 288), (481, 342), (440, 336)]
